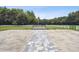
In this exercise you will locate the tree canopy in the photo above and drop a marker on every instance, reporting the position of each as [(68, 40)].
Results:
[(19, 17)]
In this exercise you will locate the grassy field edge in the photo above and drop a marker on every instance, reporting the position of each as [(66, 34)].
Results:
[(30, 27)]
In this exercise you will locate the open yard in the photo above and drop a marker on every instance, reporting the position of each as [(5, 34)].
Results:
[(39, 29), (38, 38), (30, 27)]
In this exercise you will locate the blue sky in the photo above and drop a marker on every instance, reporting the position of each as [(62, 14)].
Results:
[(48, 12)]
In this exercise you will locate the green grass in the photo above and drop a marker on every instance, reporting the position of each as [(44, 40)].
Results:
[(27, 27), (77, 27), (68, 27), (49, 27)]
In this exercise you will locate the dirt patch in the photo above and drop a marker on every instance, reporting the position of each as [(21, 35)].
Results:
[(14, 40), (65, 40)]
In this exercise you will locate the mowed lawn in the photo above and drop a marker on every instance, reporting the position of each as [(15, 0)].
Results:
[(67, 27), (18, 27), (30, 27)]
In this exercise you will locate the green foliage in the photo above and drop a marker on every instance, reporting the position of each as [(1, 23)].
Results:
[(71, 19), (16, 17), (19, 17)]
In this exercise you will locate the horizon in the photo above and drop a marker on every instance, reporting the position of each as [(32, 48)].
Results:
[(48, 12)]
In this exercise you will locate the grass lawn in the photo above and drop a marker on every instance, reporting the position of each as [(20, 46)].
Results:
[(69, 27), (30, 27), (18, 27)]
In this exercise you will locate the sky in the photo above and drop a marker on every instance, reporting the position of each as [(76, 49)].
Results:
[(48, 12)]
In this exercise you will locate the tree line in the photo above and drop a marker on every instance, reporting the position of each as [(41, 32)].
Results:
[(16, 17), (71, 19), (20, 17)]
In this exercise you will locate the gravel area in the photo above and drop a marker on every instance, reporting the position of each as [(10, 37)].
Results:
[(65, 40), (39, 41), (14, 40)]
